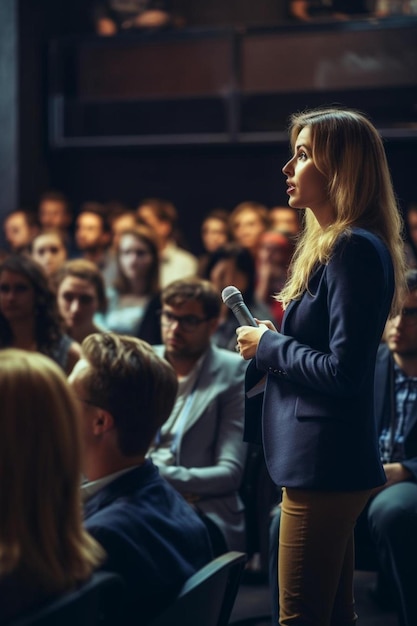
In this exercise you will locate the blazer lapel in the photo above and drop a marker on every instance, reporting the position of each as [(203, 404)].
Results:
[(204, 390)]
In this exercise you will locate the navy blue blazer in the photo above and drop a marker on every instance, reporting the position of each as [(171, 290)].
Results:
[(384, 402), (318, 422), (152, 537)]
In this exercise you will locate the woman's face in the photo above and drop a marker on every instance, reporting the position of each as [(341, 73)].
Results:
[(49, 251), (307, 186), (214, 234), (77, 301), (17, 297), (248, 226), (135, 257)]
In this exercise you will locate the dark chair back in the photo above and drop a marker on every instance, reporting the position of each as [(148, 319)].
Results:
[(97, 602), (207, 598)]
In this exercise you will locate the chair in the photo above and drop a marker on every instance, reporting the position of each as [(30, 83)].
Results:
[(207, 598), (96, 603)]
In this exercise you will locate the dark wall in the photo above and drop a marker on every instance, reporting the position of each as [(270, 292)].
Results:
[(9, 154), (195, 178)]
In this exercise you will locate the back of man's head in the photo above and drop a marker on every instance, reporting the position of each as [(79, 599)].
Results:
[(126, 378)]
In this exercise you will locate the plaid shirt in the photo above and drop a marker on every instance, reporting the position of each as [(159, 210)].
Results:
[(391, 440)]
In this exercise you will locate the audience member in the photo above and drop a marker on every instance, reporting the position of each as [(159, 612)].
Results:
[(92, 233), (234, 265), (29, 316), (200, 448), (285, 219), (273, 258), (306, 10), (49, 249), (133, 302), (80, 294), (54, 211), (112, 16), (44, 550), (152, 537), (247, 223), (392, 512), (120, 218), (411, 232), (162, 217), (384, 8), (20, 227), (214, 234)]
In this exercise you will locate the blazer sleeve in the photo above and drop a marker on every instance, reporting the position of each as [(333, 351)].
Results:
[(358, 302)]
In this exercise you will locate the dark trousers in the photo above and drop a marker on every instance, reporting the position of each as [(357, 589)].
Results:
[(392, 519)]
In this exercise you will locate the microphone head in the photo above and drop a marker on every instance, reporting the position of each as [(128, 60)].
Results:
[(231, 296)]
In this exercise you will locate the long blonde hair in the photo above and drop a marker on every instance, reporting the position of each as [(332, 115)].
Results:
[(348, 151), (41, 532)]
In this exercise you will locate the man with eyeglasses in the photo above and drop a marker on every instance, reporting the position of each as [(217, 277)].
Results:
[(386, 531), (200, 448)]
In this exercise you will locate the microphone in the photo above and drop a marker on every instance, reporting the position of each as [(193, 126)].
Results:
[(233, 299)]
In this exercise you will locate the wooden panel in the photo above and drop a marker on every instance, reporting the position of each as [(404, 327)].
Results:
[(163, 69), (307, 61)]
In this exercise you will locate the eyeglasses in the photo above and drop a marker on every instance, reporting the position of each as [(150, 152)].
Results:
[(188, 323), (408, 315)]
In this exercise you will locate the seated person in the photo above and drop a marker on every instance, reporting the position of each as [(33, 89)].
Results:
[(306, 10), (248, 221), (29, 317), (152, 537), (120, 218), (20, 227), (233, 264), (54, 211), (286, 220), (162, 217), (92, 233), (214, 234), (133, 301), (49, 249), (80, 295), (200, 448), (44, 549), (113, 16), (273, 258)]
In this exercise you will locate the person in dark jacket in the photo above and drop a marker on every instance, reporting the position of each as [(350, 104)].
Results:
[(319, 432), (153, 539)]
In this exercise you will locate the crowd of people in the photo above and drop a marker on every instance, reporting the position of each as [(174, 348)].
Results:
[(108, 268), (115, 337), (92, 292), (111, 17)]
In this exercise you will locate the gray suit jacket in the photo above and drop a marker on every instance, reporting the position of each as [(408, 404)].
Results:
[(211, 453)]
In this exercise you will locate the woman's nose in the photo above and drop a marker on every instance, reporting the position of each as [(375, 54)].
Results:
[(287, 168)]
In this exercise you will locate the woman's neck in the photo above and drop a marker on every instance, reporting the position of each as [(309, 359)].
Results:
[(138, 286), (81, 332), (23, 333)]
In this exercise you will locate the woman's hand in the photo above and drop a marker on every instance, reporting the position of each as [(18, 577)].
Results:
[(248, 337)]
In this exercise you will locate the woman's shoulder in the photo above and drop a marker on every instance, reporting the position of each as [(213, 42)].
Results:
[(364, 252), (358, 239)]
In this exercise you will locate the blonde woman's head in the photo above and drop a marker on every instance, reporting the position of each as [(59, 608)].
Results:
[(41, 532)]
